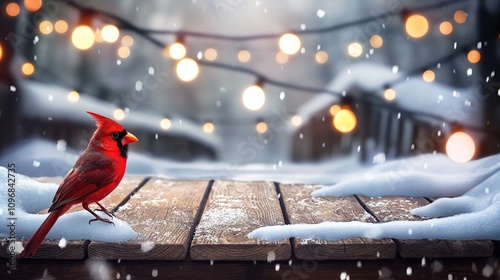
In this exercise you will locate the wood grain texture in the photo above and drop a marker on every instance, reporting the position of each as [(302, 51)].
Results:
[(163, 213), (302, 208), (233, 210), (388, 209)]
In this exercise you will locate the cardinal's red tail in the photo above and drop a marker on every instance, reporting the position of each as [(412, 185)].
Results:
[(34, 242)]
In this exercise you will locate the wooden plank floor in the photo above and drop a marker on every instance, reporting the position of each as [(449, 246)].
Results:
[(209, 221)]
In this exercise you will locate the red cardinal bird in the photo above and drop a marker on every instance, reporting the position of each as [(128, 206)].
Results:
[(96, 173)]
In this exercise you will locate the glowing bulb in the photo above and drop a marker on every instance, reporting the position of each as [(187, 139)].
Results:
[(355, 49), (45, 27), (127, 40), (474, 56), (12, 9), (321, 57), (123, 52), (98, 36), (416, 26), (344, 121), (244, 56), (119, 114), (389, 94), (32, 5), (445, 28), (110, 33), (281, 58), (210, 54), (83, 37), (460, 147), (28, 69), (428, 76), (253, 97), (165, 123), (261, 127), (289, 43), (73, 96), (334, 109), (460, 16), (61, 26), (177, 51), (296, 120), (376, 41), (1, 52), (187, 70), (208, 127)]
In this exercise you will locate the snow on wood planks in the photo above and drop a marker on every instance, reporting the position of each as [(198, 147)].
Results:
[(302, 208), (163, 213), (233, 210), (388, 209)]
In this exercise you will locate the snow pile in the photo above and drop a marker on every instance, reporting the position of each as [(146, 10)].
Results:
[(472, 216), (32, 196)]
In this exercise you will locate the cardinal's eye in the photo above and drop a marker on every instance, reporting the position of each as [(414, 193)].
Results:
[(115, 135)]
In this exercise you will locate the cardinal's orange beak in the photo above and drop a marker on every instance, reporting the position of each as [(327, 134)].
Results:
[(129, 138)]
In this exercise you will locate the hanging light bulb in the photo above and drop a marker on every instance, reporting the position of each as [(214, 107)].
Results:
[(187, 69), (28, 69), (244, 56), (376, 41), (119, 114), (428, 76), (208, 127), (389, 94), (344, 121), (12, 9), (355, 49), (83, 37), (296, 120), (45, 27), (416, 26), (165, 123), (460, 147), (254, 97), (73, 96), (445, 28), (473, 56), (334, 109), (110, 33), (177, 50), (261, 127), (210, 54), (32, 5), (289, 43), (61, 26)]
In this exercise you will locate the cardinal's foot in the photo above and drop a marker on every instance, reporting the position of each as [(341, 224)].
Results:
[(102, 220)]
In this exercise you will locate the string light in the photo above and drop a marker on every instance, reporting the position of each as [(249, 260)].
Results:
[(1, 52), (289, 43), (123, 52), (177, 51), (296, 120), (61, 26), (83, 37), (45, 27), (389, 94), (281, 58), (344, 121), (334, 109), (119, 114), (32, 5), (12, 9), (165, 123), (244, 56), (208, 127), (460, 16), (110, 33), (127, 41), (460, 147), (253, 97), (473, 56), (376, 41), (445, 28), (428, 76), (187, 69), (416, 26), (210, 54), (261, 127), (73, 96), (321, 57), (28, 69), (355, 49)]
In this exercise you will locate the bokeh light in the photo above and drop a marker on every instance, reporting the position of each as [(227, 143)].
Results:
[(83, 37), (27, 69), (289, 43), (210, 54), (334, 109), (110, 33), (165, 123), (244, 56), (127, 41), (32, 5), (73, 96), (445, 28), (208, 127), (376, 41), (261, 127), (177, 51), (45, 27), (119, 114), (1, 52), (321, 57), (344, 121), (473, 56), (460, 16), (296, 120), (123, 52), (12, 9), (187, 69), (460, 147), (428, 76), (389, 94), (61, 26), (253, 97), (355, 49), (416, 26), (281, 58)]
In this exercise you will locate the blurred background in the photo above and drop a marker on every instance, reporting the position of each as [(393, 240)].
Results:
[(238, 83)]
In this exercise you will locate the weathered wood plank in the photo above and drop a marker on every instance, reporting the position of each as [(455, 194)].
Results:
[(388, 209), (75, 249), (163, 213), (233, 210), (302, 208)]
